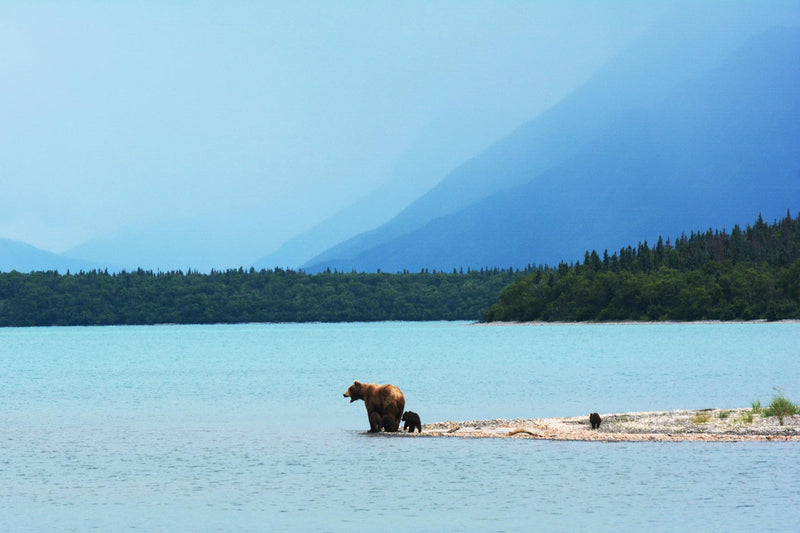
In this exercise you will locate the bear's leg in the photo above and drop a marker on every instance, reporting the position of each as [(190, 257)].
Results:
[(390, 423), (374, 422)]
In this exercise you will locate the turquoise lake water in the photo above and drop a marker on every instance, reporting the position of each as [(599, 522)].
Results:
[(244, 428)]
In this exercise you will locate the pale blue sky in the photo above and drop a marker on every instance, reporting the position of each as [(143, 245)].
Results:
[(260, 119), (275, 113)]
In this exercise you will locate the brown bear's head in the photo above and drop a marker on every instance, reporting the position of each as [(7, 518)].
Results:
[(354, 392)]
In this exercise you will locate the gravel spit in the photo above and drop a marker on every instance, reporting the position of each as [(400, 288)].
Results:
[(715, 425)]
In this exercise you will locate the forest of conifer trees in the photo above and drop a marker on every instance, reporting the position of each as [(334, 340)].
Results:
[(715, 275), (747, 274), (237, 296)]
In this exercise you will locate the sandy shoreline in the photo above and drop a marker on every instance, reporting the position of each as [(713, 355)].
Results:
[(715, 425)]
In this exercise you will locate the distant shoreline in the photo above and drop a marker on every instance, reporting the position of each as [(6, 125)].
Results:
[(638, 323), (706, 425)]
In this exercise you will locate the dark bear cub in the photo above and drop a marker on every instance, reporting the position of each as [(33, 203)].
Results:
[(412, 422), (594, 420)]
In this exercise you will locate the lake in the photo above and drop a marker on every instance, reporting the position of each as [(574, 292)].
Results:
[(244, 428)]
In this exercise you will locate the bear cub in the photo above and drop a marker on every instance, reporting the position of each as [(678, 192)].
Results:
[(412, 422), (594, 420)]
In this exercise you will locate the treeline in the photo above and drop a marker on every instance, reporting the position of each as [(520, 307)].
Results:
[(751, 273), (235, 296), (715, 275)]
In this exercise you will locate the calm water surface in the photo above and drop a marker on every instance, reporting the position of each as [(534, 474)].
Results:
[(244, 428)]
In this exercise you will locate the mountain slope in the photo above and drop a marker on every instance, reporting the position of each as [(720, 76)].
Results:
[(22, 257), (715, 152), (415, 174), (639, 77)]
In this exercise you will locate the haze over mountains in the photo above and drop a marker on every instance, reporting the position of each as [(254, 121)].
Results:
[(675, 50), (715, 151), (22, 257), (694, 125)]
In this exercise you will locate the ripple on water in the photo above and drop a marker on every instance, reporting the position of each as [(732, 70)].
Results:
[(201, 428)]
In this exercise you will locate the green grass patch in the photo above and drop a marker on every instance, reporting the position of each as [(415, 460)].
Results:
[(756, 407), (781, 406)]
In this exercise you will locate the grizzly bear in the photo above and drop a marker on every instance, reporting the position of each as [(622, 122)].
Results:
[(594, 420), (412, 422), (384, 403)]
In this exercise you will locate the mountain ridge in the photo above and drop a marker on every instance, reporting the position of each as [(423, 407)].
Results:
[(23, 257), (760, 137), (555, 135)]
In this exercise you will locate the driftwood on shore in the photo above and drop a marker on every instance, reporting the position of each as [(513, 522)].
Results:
[(718, 425)]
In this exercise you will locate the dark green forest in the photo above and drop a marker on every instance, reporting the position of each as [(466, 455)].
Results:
[(234, 296), (747, 274)]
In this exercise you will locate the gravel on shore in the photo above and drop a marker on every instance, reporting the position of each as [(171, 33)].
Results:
[(716, 425)]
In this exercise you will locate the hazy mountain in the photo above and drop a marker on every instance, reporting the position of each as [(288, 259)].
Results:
[(657, 57), (372, 210), (675, 51), (414, 175), (176, 245), (22, 257), (713, 152)]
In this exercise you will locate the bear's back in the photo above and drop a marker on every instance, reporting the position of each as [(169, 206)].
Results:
[(390, 398)]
